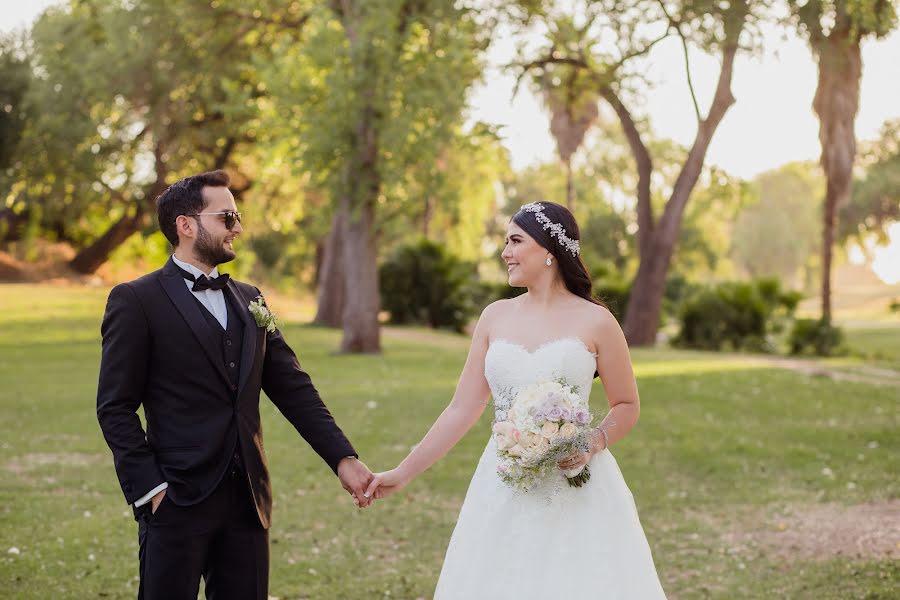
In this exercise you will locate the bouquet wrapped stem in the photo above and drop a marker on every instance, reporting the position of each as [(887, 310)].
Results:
[(579, 478)]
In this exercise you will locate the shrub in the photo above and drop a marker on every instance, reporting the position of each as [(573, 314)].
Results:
[(423, 283), (815, 336), (615, 296), (736, 315)]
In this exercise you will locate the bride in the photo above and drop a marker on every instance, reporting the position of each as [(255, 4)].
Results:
[(553, 540)]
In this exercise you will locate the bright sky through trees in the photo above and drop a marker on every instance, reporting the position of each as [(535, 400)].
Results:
[(772, 122)]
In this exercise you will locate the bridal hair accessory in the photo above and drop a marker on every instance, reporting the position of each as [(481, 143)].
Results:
[(573, 247)]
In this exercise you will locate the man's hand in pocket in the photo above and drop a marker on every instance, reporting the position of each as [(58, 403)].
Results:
[(155, 501)]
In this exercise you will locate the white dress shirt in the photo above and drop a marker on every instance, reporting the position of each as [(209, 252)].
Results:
[(214, 301)]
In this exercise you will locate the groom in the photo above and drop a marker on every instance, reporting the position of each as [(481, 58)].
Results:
[(182, 343)]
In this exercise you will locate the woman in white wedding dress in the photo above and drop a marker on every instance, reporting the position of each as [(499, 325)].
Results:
[(553, 541)]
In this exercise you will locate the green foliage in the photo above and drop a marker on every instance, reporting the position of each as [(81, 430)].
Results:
[(815, 336), (615, 296), (853, 19), (423, 283), (764, 243), (116, 111), (15, 79), (736, 315), (405, 67), (875, 202)]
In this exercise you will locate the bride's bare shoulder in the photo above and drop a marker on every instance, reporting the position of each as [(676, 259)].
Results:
[(498, 308), (597, 317), (496, 312)]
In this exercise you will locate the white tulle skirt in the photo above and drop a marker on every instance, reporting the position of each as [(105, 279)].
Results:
[(553, 542)]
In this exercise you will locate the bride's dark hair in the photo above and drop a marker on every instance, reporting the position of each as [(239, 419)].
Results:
[(574, 273)]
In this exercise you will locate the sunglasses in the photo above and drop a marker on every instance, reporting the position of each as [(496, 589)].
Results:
[(231, 217)]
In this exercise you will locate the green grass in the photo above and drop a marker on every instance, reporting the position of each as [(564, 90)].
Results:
[(722, 445), (877, 342)]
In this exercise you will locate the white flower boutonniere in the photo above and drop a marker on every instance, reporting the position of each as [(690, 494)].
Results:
[(263, 316)]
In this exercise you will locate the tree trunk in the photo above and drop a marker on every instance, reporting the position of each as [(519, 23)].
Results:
[(644, 168), (836, 103), (330, 295), (645, 300), (570, 186), (13, 224), (361, 185), (89, 259), (362, 333)]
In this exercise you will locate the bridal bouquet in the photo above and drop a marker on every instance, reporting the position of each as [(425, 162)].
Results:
[(546, 422)]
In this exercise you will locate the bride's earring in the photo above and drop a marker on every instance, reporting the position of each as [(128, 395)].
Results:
[(549, 261)]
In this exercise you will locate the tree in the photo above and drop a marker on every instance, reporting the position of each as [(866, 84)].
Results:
[(15, 79), (835, 29), (764, 242), (569, 94), (875, 202), (386, 90), (713, 26), (116, 113)]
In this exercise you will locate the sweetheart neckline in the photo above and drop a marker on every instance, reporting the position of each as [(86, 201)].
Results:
[(543, 345)]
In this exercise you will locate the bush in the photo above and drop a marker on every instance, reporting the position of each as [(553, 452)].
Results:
[(815, 336), (736, 315), (423, 283), (615, 296)]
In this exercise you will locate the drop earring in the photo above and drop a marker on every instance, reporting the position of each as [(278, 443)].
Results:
[(549, 261)]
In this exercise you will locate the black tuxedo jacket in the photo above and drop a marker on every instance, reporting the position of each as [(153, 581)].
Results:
[(159, 351)]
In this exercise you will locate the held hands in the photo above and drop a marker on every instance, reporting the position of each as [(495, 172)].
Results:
[(385, 484), (355, 476)]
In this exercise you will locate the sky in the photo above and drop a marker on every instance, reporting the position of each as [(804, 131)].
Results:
[(771, 123)]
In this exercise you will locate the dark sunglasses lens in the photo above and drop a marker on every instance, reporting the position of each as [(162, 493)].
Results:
[(230, 218)]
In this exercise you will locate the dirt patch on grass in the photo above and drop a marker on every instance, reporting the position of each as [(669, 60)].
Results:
[(857, 374), (21, 465), (825, 531)]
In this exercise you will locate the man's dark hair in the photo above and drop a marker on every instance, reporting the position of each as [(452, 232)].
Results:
[(184, 197)]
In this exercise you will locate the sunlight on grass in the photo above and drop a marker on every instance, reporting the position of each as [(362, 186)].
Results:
[(725, 442)]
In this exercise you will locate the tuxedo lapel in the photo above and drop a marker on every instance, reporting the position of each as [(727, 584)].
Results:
[(251, 330), (173, 283)]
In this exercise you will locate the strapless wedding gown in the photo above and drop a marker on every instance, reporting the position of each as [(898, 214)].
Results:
[(555, 541)]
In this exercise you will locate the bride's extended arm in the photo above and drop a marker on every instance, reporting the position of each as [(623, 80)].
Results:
[(617, 375), (469, 400)]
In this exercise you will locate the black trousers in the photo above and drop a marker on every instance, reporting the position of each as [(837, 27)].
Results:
[(219, 539)]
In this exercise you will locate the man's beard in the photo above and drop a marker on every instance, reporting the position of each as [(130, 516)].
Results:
[(209, 250)]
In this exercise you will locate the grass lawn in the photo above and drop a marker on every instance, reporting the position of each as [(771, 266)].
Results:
[(877, 342), (731, 464)]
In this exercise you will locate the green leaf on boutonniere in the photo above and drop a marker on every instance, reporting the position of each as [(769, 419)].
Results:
[(262, 315)]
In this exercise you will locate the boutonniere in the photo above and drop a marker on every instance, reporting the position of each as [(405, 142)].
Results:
[(263, 316)]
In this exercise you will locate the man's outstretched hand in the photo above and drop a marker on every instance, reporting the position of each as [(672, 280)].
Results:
[(355, 476)]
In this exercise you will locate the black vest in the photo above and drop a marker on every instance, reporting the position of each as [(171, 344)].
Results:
[(230, 340)]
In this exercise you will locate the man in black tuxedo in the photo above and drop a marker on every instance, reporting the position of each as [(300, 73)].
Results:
[(182, 342)]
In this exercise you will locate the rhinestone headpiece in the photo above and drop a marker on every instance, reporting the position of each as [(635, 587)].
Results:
[(573, 247)]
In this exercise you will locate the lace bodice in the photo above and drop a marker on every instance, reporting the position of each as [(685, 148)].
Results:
[(509, 366)]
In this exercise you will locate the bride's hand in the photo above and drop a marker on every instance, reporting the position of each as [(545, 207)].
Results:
[(574, 461), (385, 484)]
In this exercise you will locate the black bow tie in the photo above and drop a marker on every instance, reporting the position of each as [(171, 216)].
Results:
[(205, 283)]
